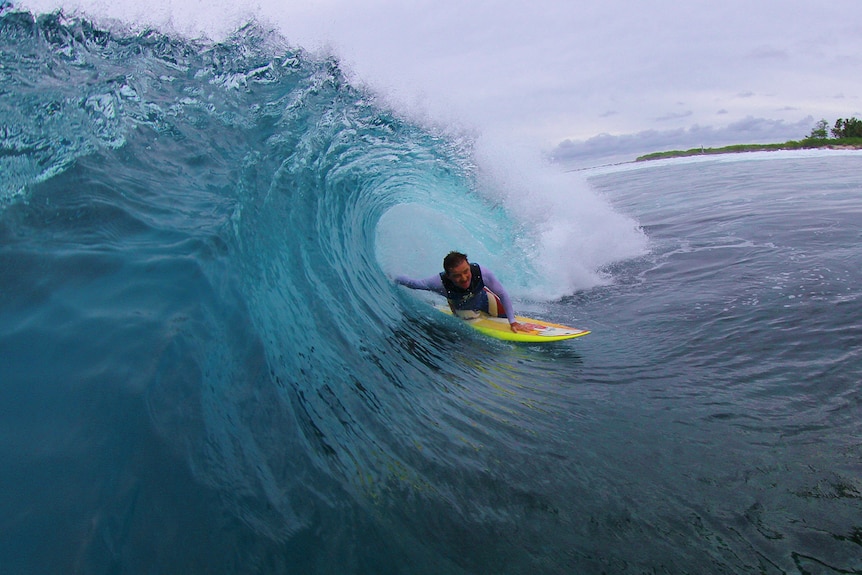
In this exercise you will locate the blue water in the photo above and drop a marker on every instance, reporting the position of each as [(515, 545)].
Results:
[(205, 367)]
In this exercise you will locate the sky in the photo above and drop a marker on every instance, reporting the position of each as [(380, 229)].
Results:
[(580, 81)]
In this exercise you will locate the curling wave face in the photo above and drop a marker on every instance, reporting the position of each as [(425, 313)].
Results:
[(194, 226)]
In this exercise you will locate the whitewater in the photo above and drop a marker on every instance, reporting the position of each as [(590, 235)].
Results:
[(205, 366)]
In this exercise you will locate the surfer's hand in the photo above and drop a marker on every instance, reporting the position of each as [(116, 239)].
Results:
[(516, 327)]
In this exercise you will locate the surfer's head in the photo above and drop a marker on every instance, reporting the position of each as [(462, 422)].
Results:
[(457, 269)]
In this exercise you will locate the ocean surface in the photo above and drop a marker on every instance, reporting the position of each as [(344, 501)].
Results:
[(206, 368)]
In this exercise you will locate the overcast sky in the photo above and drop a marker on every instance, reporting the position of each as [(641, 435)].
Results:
[(589, 79)]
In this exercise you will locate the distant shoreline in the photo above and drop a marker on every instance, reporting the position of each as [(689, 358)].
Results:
[(808, 143)]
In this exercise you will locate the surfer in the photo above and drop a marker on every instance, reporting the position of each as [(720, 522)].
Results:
[(468, 288)]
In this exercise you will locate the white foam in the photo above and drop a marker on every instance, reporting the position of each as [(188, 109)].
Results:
[(569, 231)]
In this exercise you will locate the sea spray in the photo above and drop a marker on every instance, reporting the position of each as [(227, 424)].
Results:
[(568, 231)]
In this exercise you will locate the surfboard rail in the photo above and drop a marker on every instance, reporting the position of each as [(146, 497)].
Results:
[(541, 331)]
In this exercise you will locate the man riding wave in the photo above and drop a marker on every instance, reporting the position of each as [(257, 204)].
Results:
[(469, 288)]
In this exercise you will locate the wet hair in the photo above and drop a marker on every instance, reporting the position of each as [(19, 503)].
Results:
[(453, 259)]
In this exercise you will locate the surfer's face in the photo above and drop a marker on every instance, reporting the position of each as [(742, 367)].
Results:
[(460, 275)]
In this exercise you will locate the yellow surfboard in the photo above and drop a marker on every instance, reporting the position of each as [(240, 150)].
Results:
[(498, 327)]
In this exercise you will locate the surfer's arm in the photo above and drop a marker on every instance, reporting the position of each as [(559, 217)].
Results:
[(433, 283), (495, 286)]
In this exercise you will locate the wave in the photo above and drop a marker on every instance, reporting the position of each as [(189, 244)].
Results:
[(252, 204)]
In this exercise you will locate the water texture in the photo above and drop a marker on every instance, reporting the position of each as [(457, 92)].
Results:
[(205, 367)]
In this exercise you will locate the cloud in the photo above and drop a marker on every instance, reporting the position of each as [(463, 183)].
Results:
[(674, 116), (769, 53), (607, 148)]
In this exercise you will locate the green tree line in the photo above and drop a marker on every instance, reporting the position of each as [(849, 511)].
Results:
[(845, 132), (843, 128)]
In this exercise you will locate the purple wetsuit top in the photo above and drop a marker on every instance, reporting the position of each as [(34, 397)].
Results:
[(435, 284)]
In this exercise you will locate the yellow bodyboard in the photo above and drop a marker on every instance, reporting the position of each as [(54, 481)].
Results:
[(498, 327)]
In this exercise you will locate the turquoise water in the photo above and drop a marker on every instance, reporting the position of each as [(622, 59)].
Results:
[(205, 368)]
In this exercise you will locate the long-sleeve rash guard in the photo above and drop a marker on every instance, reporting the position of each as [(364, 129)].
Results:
[(435, 284)]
